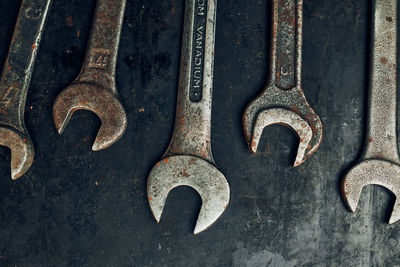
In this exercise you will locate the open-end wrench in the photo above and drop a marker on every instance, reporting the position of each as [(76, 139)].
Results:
[(94, 89), (188, 161), (283, 101), (380, 163), (15, 80)]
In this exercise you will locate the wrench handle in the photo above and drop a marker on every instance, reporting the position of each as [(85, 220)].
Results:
[(102, 49), (20, 61), (192, 131), (286, 44), (381, 130)]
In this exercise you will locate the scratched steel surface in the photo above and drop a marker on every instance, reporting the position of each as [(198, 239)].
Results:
[(81, 208)]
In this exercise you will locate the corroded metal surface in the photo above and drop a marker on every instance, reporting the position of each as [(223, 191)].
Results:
[(380, 163), (188, 160), (284, 93), (94, 89), (15, 80)]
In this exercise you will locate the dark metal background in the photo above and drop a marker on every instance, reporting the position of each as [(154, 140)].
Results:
[(78, 207)]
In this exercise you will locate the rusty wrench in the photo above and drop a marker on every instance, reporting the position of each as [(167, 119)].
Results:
[(380, 163), (188, 160), (94, 89), (283, 101), (15, 80)]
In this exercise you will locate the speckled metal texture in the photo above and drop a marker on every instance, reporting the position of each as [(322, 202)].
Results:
[(94, 89), (380, 163), (283, 101), (188, 160), (15, 80)]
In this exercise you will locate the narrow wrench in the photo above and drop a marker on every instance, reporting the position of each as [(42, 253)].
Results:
[(283, 101), (94, 89), (188, 160), (15, 80), (380, 162)]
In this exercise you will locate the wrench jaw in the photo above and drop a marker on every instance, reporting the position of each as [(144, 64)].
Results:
[(194, 172), (372, 171), (22, 152), (299, 117), (93, 98)]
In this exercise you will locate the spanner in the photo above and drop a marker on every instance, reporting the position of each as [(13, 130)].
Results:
[(380, 162), (94, 89), (283, 101), (15, 80), (188, 161)]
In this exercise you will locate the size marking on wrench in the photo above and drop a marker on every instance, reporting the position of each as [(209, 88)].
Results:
[(188, 160), (380, 163), (94, 89), (283, 101), (15, 80)]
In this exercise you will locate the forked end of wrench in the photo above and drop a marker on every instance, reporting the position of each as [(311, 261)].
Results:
[(291, 119), (194, 172), (22, 151), (93, 98), (372, 171)]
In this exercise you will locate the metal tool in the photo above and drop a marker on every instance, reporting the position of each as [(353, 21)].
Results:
[(188, 160), (94, 89), (283, 101), (15, 80), (380, 163)]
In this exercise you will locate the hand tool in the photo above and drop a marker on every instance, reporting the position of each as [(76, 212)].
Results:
[(283, 101), (94, 89), (380, 162), (188, 160), (15, 80)]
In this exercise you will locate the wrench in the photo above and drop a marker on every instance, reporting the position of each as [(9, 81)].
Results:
[(15, 80), (188, 160), (283, 101), (94, 89), (380, 162)]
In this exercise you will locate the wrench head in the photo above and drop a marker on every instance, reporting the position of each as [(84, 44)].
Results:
[(372, 171), (21, 147), (194, 172), (288, 108), (94, 98)]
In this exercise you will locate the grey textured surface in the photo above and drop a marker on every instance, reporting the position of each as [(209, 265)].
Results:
[(75, 207)]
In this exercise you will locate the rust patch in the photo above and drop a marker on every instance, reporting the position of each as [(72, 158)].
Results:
[(185, 174), (384, 60)]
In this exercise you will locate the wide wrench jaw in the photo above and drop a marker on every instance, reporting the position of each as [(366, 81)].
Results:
[(22, 151), (194, 172), (372, 171), (301, 118), (104, 104)]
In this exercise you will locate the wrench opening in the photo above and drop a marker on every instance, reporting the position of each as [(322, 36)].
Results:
[(286, 118), (372, 172), (93, 98), (194, 172)]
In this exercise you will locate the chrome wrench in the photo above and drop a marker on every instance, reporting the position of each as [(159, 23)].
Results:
[(283, 101), (188, 160), (15, 80), (380, 163), (94, 89)]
